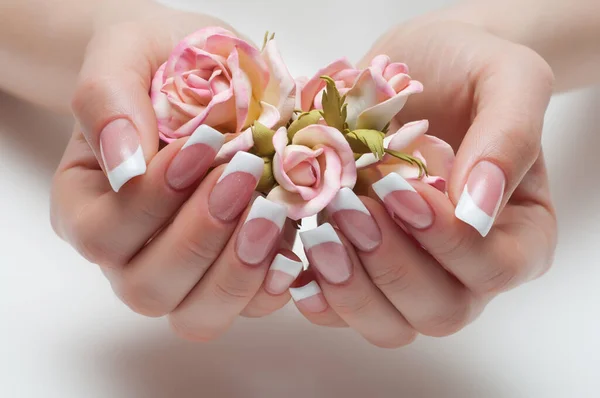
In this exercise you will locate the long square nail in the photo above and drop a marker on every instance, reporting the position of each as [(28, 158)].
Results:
[(327, 254), (121, 152), (309, 297), (234, 188), (282, 273), (261, 231)]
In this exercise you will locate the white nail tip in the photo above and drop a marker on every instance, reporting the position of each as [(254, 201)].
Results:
[(133, 166), (346, 200), (468, 212), (283, 264), (206, 135), (264, 208), (244, 162), (309, 290), (391, 183), (322, 234)]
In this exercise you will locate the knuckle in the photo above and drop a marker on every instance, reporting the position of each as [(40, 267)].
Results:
[(142, 297), (187, 330), (457, 245), (88, 89), (391, 278), (352, 304), (88, 243), (232, 291), (454, 316), (498, 279)]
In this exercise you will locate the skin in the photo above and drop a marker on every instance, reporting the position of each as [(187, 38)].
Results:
[(475, 99)]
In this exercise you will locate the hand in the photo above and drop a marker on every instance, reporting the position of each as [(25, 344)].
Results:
[(167, 243), (487, 97)]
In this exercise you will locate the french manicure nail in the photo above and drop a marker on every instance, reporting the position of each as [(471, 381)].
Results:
[(309, 297), (235, 187), (403, 201), (121, 152), (355, 221), (282, 273), (479, 203), (195, 157), (327, 254), (261, 230)]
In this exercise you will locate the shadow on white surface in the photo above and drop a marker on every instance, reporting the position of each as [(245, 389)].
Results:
[(281, 356)]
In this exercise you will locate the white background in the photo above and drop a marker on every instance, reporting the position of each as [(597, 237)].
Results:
[(64, 335)]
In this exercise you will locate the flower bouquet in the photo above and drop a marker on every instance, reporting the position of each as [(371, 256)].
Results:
[(315, 136)]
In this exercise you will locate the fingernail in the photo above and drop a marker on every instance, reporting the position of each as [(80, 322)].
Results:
[(403, 201), (261, 230), (121, 153), (327, 254), (194, 158), (234, 189), (479, 203), (355, 221), (309, 297), (282, 273)]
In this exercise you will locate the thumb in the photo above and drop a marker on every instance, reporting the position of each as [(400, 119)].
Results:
[(112, 103), (504, 140)]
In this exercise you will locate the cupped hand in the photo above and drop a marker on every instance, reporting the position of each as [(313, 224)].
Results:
[(178, 238), (410, 259)]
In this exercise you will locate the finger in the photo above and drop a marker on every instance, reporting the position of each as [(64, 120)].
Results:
[(504, 139), (235, 277), (430, 298), (516, 250), (161, 275), (357, 300), (109, 229), (274, 293), (112, 104), (311, 303)]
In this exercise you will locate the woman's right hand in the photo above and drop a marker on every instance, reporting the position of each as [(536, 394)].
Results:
[(168, 243)]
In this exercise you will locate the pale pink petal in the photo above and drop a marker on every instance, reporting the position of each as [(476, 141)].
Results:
[(400, 140), (295, 154), (317, 134), (348, 76), (281, 89), (377, 116), (242, 89), (196, 39), (399, 82), (437, 182), (315, 84), (300, 83), (394, 69), (380, 63), (249, 59), (438, 155), (269, 115), (241, 143), (303, 174), (369, 90), (298, 207), (280, 140)]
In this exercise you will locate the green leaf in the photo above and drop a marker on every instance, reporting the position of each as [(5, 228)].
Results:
[(267, 180), (365, 141), (335, 109), (411, 160), (304, 119), (263, 140)]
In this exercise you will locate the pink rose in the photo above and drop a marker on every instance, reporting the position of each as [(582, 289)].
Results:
[(311, 170), (436, 155), (374, 95), (217, 79)]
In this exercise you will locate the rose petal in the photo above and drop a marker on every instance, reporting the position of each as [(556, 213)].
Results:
[(241, 142), (295, 154), (438, 155), (315, 84), (269, 115), (299, 208), (394, 69), (196, 39), (281, 89), (242, 89), (377, 116), (250, 59), (303, 174), (380, 63), (316, 134), (400, 140), (369, 90)]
